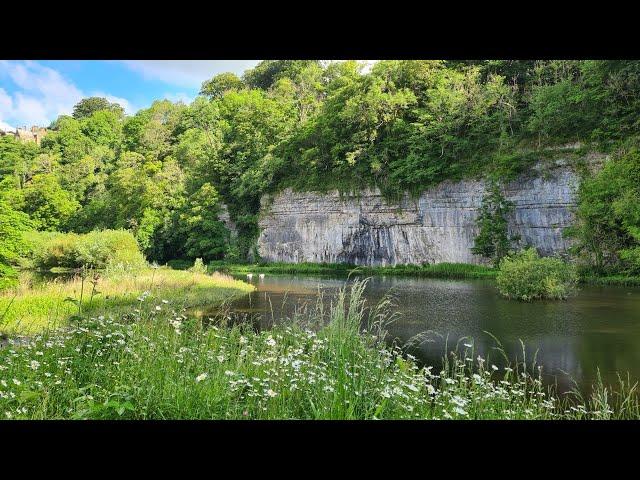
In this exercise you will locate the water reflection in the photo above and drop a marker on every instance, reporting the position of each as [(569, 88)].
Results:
[(600, 327)]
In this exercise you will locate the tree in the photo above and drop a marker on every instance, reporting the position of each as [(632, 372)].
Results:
[(88, 106), (607, 229), (221, 84), (13, 224), (103, 127), (16, 159), (152, 131), (264, 75), (47, 203), (204, 235), (493, 240)]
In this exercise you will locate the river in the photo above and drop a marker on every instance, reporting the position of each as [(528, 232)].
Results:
[(598, 328)]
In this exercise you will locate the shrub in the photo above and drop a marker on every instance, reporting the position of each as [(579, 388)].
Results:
[(112, 249), (106, 249), (8, 276), (52, 249), (526, 276), (198, 266)]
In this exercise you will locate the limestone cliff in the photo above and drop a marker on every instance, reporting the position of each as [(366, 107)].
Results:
[(438, 226)]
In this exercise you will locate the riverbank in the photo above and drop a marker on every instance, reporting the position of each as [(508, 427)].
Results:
[(438, 270), (33, 307), (155, 363), (621, 280)]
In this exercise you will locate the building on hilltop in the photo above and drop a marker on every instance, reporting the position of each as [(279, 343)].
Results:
[(34, 134)]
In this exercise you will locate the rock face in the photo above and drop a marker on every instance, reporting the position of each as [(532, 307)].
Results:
[(438, 226)]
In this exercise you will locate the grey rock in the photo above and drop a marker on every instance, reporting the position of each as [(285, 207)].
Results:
[(438, 226)]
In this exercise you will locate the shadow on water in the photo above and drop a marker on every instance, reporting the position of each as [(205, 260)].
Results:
[(597, 328)]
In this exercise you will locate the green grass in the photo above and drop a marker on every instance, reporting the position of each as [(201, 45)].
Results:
[(629, 281), (31, 308), (160, 364), (439, 270)]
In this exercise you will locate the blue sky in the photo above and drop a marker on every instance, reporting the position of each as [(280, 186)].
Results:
[(36, 92)]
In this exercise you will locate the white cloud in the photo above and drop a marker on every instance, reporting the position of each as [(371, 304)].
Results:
[(6, 127), (43, 94), (187, 73)]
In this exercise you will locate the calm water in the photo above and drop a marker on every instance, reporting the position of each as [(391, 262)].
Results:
[(599, 327)]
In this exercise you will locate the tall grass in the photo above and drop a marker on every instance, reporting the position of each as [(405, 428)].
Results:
[(158, 363), (32, 307)]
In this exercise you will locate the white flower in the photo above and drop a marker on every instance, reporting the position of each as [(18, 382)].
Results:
[(271, 393), (17, 382), (271, 342), (201, 377), (228, 372), (494, 367), (158, 307), (468, 345), (34, 364), (460, 411)]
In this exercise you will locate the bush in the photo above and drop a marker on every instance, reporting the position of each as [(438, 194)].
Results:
[(526, 276), (8, 277), (110, 249), (106, 249), (52, 249), (198, 266)]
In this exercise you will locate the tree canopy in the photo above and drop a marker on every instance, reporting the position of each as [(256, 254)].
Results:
[(165, 172)]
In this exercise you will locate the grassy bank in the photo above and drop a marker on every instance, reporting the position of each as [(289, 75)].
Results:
[(31, 308), (439, 270), (629, 281), (159, 364)]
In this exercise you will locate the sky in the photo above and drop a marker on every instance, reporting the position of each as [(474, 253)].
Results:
[(36, 92)]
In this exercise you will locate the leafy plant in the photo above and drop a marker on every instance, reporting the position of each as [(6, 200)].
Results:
[(525, 276), (198, 266), (493, 241)]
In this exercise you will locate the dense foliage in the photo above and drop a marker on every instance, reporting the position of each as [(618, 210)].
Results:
[(105, 249), (608, 226), (526, 276), (165, 173), (13, 224)]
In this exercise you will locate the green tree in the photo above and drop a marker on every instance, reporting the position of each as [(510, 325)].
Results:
[(264, 75), (13, 225), (221, 84), (49, 206), (608, 216), (205, 235), (17, 159), (88, 106)]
